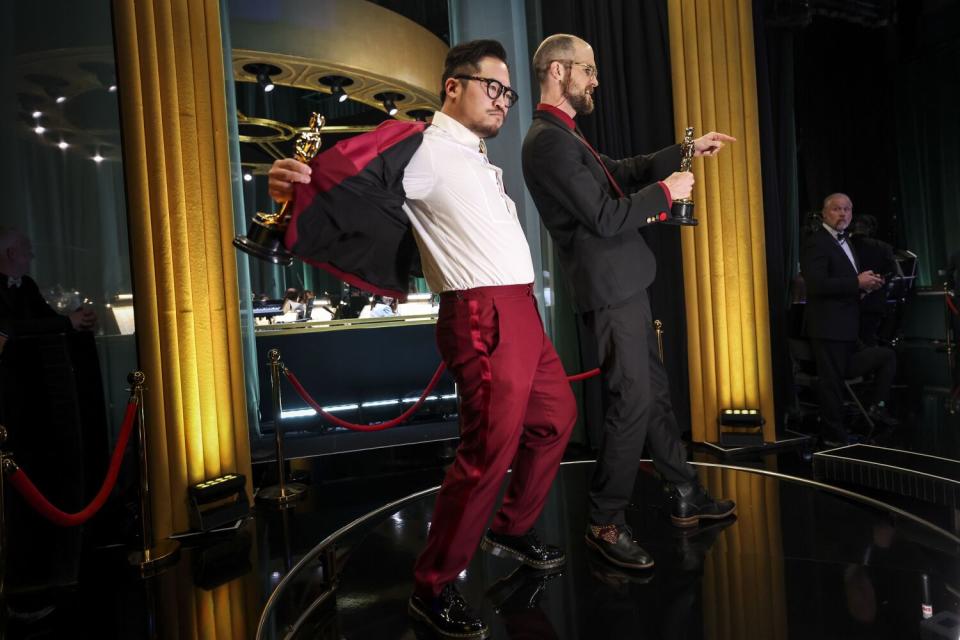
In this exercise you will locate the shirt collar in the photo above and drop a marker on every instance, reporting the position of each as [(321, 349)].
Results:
[(837, 234), (456, 130), (560, 113)]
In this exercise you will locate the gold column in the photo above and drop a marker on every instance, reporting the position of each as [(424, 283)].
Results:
[(173, 110), (728, 335)]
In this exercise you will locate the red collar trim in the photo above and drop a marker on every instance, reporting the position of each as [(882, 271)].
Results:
[(549, 108)]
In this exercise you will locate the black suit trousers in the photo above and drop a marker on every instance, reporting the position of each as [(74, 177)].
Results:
[(838, 360), (638, 409)]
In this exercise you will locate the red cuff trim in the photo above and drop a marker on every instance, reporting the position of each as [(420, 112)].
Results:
[(666, 192)]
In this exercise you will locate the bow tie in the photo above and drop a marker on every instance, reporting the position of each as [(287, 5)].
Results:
[(14, 281), (842, 236)]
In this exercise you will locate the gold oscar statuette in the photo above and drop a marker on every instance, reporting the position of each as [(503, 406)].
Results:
[(264, 237), (681, 213)]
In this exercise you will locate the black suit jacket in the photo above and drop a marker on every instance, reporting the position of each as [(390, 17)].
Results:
[(833, 292), (23, 311), (597, 233)]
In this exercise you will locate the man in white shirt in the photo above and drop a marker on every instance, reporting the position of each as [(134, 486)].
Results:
[(516, 405)]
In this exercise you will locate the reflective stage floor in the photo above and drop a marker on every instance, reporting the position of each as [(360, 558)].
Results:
[(800, 560)]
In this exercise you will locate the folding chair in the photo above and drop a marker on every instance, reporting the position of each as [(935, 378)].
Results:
[(804, 373)]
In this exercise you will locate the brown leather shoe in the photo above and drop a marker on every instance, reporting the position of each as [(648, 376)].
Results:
[(617, 546)]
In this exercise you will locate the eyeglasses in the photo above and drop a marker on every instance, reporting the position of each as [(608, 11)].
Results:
[(495, 89), (589, 70)]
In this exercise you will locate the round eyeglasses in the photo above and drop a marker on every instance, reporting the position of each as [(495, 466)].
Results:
[(495, 89)]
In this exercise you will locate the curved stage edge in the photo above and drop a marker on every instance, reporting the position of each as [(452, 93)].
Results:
[(801, 559)]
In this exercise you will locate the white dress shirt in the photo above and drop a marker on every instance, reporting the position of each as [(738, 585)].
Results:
[(845, 245), (465, 224)]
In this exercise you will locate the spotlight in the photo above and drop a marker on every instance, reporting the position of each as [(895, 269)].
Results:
[(112, 88), (39, 130), (389, 100), (420, 114), (741, 418), (263, 72), (62, 144), (37, 114), (337, 84), (247, 177), (264, 81), (97, 158), (61, 99)]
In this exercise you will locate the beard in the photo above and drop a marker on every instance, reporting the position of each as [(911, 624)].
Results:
[(581, 102), (486, 130)]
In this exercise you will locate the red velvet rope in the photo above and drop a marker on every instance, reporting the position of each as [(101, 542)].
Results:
[(577, 377), (21, 482), (953, 307), (403, 417)]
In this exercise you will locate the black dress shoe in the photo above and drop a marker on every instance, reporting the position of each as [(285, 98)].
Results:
[(616, 544), (527, 548), (692, 503), (448, 614)]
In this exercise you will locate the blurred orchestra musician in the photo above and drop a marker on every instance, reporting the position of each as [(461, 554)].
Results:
[(835, 283)]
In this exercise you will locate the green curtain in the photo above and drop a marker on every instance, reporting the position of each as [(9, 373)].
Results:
[(928, 127)]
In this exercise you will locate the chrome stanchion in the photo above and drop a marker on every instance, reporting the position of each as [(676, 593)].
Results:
[(659, 327), (949, 325), (283, 494), (157, 556), (6, 466)]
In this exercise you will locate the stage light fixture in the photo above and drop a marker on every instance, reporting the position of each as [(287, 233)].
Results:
[(337, 84), (62, 144), (39, 129), (37, 114), (741, 418), (264, 73), (389, 99), (97, 158), (112, 88), (61, 99), (218, 502), (420, 114), (247, 177), (264, 81)]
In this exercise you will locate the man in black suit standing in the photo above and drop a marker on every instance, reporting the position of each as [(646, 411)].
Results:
[(594, 207), (835, 286)]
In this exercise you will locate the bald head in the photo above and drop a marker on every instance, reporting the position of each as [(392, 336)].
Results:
[(16, 252), (837, 211), (567, 72), (560, 46)]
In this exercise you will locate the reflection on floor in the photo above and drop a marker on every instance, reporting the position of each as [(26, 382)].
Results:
[(799, 561)]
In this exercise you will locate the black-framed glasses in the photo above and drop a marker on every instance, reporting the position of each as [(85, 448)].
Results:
[(588, 69), (495, 89)]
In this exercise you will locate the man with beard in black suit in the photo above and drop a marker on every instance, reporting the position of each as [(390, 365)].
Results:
[(594, 207)]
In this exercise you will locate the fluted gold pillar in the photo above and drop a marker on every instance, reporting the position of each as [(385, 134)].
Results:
[(175, 152), (728, 334)]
